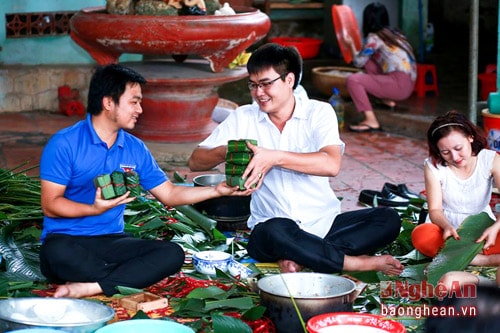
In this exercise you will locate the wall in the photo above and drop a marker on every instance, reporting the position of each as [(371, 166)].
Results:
[(358, 6), (48, 49), (32, 69), (35, 88), (41, 50)]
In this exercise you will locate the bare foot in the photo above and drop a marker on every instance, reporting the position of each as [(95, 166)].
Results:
[(384, 263), (451, 278), (78, 289), (289, 266), (389, 103), (486, 260)]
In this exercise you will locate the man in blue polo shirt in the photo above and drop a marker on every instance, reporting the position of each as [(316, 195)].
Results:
[(84, 248)]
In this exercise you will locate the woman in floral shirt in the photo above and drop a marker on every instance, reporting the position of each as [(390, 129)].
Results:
[(389, 67)]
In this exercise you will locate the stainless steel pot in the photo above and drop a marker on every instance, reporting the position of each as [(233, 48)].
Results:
[(230, 209), (313, 293)]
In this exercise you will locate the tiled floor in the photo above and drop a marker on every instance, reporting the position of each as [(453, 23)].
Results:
[(370, 159)]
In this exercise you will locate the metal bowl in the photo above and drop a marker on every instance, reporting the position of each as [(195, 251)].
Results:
[(225, 209), (68, 315)]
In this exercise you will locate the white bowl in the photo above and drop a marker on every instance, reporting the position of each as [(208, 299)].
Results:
[(238, 269), (205, 262)]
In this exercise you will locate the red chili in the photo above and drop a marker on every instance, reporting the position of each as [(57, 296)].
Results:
[(181, 285), (170, 220)]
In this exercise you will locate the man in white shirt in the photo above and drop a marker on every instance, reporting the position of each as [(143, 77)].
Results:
[(295, 215)]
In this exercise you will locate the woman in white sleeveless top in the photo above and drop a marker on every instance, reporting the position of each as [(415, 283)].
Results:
[(459, 177)]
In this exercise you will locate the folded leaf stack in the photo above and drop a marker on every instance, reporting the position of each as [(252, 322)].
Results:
[(237, 158)]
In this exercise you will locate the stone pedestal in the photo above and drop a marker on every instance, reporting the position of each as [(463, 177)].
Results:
[(178, 99)]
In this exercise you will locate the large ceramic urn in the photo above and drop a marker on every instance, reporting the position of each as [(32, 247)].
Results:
[(217, 38), (180, 95)]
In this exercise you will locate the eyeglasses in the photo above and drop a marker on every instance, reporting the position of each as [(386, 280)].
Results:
[(263, 85)]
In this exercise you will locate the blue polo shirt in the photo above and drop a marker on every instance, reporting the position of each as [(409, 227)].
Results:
[(74, 156)]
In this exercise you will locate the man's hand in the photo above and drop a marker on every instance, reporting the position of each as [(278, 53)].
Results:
[(262, 161), (102, 205), (225, 190)]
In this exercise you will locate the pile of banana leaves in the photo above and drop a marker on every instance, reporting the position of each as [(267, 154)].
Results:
[(20, 230), (21, 223)]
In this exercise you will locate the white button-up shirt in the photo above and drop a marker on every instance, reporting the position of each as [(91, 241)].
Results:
[(309, 200)]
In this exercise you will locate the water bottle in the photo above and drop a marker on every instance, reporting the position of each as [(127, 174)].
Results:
[(429, 37), (337, 102)]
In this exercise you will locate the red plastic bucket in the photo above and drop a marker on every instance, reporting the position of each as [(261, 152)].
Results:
[(492, 128)]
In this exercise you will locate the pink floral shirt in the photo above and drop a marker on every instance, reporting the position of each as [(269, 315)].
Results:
[(389, 58)]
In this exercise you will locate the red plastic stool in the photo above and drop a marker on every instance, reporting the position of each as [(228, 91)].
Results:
[(488, 81), (421, 85)]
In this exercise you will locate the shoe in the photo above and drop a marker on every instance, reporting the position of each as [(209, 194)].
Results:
[(366, 128), (400, 190), (388, 199)]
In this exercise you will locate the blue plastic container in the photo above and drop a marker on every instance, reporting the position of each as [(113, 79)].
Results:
[(35, 330), (145, 325)]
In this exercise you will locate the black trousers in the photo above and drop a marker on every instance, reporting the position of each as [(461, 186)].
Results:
[(110, 260), (355, 233)]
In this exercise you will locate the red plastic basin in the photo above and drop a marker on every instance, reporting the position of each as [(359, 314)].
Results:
[(353, 322), (307, 47)]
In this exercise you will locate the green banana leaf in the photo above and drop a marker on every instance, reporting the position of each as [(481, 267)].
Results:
[(457, 254), (226, 324)]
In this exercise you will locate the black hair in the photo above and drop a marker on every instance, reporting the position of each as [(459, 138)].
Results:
[(375, 18), (283, 59), (110, 81), (453, 121)]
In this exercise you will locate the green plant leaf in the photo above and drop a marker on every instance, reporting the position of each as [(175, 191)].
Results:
[(218, 236), (254, 313), (190, 308), (415, 272), (203, 221), (240, 303), (140, 315), (457, 254), (207, 292), (365, 276), (128, 290), (226, 324)]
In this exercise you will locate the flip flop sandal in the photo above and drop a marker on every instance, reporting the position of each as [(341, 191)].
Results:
[(367, 128)]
